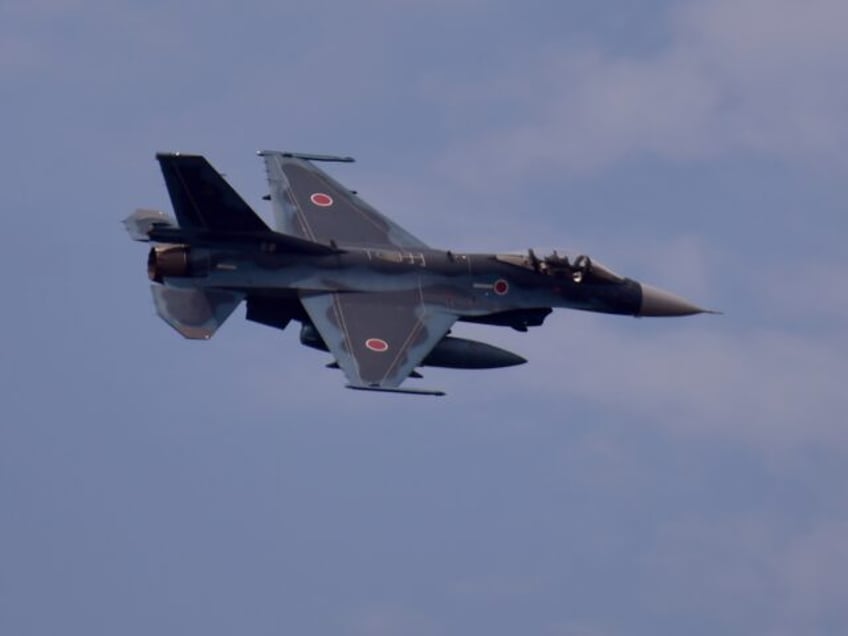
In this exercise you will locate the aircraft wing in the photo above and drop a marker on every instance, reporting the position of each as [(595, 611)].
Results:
[(378, 338), (310, 204)]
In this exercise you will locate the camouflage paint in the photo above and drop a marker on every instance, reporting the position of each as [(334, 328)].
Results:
[(379, 299)]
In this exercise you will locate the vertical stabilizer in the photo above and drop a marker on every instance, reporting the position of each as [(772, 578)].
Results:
[(202, 199), (195, 313)]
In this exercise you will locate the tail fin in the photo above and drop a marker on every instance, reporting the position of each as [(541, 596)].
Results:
[(195, 313), (202, 199)]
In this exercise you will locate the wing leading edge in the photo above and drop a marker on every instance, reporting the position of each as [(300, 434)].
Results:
[(308, 203), (378, 338)]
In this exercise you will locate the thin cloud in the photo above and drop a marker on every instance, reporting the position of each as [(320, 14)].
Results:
[(747, 77), (765, 386), (792, 581)]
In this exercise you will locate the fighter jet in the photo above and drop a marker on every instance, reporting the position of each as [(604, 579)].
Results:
[(379, 300)]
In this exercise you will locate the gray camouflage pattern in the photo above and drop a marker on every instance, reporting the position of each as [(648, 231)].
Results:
[(377, 298)]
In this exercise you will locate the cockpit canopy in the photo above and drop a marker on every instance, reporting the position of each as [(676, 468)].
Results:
[(563, 264)]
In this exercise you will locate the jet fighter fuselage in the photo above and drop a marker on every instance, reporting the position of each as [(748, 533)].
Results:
[(378, 299)]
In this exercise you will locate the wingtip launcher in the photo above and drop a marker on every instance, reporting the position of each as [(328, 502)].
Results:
[(394, 389), (306, 155)]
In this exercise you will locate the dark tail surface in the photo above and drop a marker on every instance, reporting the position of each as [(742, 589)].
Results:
[(201, 198)]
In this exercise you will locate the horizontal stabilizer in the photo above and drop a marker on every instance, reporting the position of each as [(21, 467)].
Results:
[(140, 223), (195, 313), (388, 389)]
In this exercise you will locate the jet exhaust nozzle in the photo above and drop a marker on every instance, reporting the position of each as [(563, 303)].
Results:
[(174, 261)]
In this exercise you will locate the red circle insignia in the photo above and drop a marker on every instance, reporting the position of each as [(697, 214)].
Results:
[(321, 200), (377, 344), (501, 287)]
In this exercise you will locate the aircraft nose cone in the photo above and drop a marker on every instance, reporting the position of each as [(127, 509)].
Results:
[(656, 302)]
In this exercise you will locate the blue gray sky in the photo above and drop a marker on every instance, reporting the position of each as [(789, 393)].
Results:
[(638, 477)]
